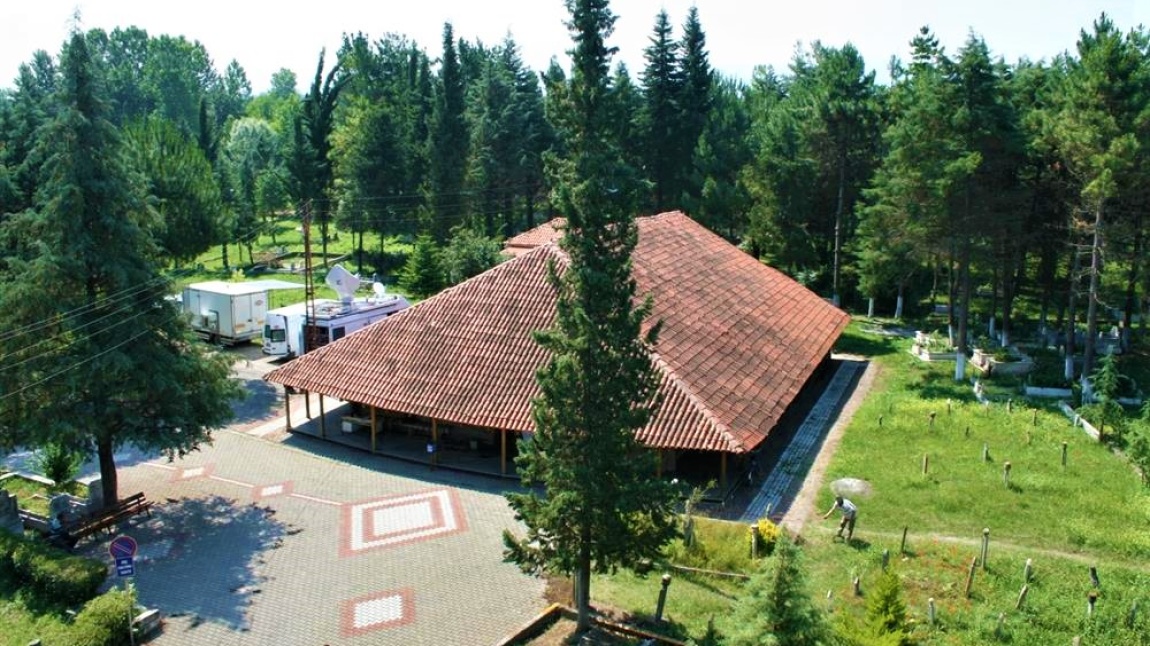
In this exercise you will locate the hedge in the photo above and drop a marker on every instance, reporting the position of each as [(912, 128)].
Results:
[(104, 620), (49, 573)]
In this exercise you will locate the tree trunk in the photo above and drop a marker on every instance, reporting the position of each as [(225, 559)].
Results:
[(1132, 284), (359, 253), (224, 255), (990, 324), (1092, 295), (323, 239), (951, 293), (839, 227), (108, 483), (583, 582), (899, 301), (530, 219), (1071, 314), (1011, 279), (963, 315)]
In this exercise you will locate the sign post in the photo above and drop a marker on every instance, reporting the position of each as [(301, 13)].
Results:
[(123, 551)]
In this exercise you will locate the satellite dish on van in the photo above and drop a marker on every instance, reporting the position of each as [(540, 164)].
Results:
[(343, 282), (379, 290)]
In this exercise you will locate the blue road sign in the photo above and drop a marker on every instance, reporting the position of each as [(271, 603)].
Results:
[(125, 566), (122, 546)]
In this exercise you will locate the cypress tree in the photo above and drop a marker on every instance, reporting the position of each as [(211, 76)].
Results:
[(448, 141), (603, 506)]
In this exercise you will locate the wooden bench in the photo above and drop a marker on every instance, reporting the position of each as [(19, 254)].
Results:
[(107, 518)]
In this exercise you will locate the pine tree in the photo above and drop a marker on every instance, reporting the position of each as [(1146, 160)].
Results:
[(313, 172), (183, 184), (1096, 131), (886, 610), (448, 142), (603, 506), (422, 275), (775, 607), (111, 362), (661, 116), (696, 98)]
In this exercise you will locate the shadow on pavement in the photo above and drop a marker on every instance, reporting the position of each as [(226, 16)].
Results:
[(261, 401), (199, 558), (401, 468)]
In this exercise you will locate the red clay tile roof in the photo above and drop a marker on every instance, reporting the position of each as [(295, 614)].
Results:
[(547, 232), (739, 340)]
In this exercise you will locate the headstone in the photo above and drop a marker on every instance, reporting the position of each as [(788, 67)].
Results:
[(10, 514), (59, 504), (95, 495)]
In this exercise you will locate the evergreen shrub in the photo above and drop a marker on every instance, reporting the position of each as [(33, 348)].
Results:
[(48, 573)]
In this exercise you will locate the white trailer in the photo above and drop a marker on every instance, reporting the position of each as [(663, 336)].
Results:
[(229, 313), (284, 327)]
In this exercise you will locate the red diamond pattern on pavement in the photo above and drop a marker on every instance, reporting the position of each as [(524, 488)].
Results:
[(395, 520), (259, 492), (193, 473), (376, 611)]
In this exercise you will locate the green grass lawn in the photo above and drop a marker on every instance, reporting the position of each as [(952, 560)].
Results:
[(1092, 512), (33, 496), (209, 266)]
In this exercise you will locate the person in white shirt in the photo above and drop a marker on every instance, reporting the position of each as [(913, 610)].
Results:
[(850, 512)]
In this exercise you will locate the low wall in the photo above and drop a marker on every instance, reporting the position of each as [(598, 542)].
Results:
[(1080, 421)]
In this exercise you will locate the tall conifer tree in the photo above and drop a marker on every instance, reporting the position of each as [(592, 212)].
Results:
[(94, 356), (448, 141), (603, 506)]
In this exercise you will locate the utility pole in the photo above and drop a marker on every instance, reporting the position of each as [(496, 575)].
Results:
[(311, 339)]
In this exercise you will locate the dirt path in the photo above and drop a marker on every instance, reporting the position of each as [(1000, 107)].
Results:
[(1086, 558), (803, 506)]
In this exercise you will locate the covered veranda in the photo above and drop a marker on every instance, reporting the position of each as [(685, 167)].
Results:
[(491, 452)]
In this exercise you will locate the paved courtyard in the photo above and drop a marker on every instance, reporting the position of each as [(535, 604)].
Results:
[(255, 542), (268, 538)]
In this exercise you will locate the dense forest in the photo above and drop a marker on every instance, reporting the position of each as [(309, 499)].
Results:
[(968, 179)]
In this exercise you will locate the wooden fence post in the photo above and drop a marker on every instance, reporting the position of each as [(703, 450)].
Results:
[(970, 575), (985, 545)]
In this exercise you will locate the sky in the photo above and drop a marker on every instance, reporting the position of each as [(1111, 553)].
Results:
[(267, 35)]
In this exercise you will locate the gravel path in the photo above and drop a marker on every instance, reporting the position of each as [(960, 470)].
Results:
[(803, 507)]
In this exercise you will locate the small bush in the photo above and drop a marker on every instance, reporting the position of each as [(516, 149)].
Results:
[(719, 545), (768, 535), (50, 574), (104, 620), (886, 610), (58, 463)]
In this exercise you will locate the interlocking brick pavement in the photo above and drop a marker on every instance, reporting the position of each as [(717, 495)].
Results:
[(227, 563)]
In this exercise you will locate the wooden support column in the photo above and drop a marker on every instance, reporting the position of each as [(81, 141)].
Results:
[(323, 422), (287, 409), (503, 451), (723, 473), (658, 463), (307, 403), (373, 425), (434, 442)]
